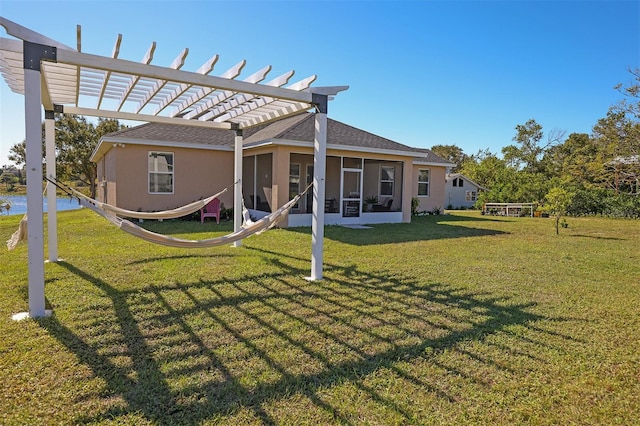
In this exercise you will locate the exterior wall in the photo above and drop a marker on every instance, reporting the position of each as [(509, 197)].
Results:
[(456, 196), (106, 178), (197, 174), (283, 156), (437, 186)]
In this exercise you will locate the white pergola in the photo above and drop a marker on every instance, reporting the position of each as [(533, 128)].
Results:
[(63, 79)]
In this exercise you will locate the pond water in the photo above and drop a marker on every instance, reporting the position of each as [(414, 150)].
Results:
[(19, 204)]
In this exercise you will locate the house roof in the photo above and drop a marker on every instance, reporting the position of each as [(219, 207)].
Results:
[(297, 128), (460, 175), (424, 155)]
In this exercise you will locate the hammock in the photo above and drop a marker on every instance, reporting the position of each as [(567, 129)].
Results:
[(248, 228), (19, 235), (166, 214)]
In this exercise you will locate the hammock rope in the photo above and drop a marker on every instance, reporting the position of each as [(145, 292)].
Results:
[(166, 214), (110, 213), (248, 228)]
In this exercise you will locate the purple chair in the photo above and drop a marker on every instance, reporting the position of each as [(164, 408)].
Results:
[(212, 209)]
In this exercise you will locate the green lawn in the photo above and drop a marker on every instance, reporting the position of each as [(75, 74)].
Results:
[(455, 319)]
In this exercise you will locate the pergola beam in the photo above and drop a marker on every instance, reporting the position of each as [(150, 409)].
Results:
[(120, 115), (177, 76)]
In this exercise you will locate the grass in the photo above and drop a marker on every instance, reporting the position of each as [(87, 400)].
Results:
[(456, 319)]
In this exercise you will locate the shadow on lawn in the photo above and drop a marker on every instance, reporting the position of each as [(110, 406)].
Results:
[(420, 229), (209, 349)]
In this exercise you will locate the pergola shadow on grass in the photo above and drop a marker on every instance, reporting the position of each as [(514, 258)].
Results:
[(424, 228), (250, 349)]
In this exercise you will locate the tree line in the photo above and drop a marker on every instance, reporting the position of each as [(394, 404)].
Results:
[(597, 173), (75, 140)]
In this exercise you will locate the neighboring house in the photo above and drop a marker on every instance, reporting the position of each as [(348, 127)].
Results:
[(461, 192), (161, 166)]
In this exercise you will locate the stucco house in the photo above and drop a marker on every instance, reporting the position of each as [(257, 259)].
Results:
[(461, 192), (162, 166)]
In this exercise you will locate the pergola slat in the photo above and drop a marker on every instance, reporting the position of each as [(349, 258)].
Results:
[(114, 54), (206, 68), (226, 94), (159, 84), (232, 103), (265, 100), (203, 92), (148, 57)]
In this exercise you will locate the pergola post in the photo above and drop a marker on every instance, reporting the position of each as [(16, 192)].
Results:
[(237, 187), (33, 54), (52, 210), (319, 173)]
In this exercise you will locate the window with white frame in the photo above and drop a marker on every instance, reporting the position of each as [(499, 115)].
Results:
[(423, 182), (386, 181), (470, 196), (458, 182), (160, 167)]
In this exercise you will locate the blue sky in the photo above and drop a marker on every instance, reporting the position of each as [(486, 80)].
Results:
[(420, 72)]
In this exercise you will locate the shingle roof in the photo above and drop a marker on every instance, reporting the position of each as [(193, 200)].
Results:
[(299, 127), (302, 128), (426, 155), (160, 132)]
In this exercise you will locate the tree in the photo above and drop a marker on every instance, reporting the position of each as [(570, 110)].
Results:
[(451, 153), (618, 138), (9, 179), (529, 149), (484, 168), (557, 202), (575, 161), (76, 139)]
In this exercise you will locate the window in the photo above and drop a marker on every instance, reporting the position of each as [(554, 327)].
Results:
[(160, 172), (423, 182), (386, 181), (458, 182), (470, 196)]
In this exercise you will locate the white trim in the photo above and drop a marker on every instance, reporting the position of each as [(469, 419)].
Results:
[(428, 182), (431, 163), (173, 173), (393, 180), (298, 190)]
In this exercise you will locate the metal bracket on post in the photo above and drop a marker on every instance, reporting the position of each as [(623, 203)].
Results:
[(321, 102), (34, 53)]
